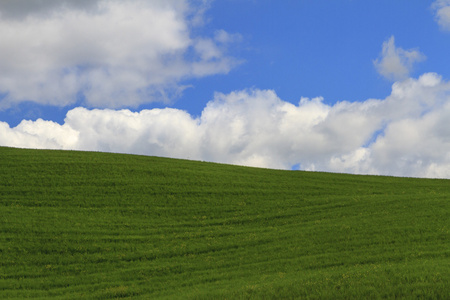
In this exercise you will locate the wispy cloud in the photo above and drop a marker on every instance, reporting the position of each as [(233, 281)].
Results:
[(103, 53), (442, 13), (396, 63), (406, 133)]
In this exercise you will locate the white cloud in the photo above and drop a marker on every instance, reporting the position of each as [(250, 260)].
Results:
[(442, 10), (405, 134), (39, 134), (114, 53), (224, 37), (396, 63)]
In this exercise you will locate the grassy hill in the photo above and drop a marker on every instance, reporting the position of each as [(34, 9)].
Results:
[(82, 225)]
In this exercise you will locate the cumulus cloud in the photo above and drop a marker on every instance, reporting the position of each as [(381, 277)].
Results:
[(405, 134), (396, 63), (442, 13), (103, 53)]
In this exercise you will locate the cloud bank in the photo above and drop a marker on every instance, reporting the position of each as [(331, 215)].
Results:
[(104, 53), (405, 134), (396, 63), (110, 54)]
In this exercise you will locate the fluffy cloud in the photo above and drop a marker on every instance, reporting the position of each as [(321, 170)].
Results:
[(405, 134), (103, 53), (396, 63), (442, 10)]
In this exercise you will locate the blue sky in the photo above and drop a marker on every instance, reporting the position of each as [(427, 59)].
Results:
[(325, 48), (343, 86)]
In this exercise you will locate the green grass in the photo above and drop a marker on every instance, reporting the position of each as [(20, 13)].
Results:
[(83, 225)]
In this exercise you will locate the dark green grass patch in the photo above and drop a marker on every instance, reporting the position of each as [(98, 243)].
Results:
[(97, 226)]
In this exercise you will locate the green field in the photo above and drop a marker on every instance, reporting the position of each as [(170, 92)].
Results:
[(84, 225)]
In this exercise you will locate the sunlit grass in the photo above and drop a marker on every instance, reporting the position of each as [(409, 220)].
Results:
[(94, 225)]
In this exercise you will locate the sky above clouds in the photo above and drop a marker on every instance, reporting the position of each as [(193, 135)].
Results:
[(344, 86)]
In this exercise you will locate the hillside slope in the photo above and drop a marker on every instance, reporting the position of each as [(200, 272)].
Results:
[(95, 225)]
